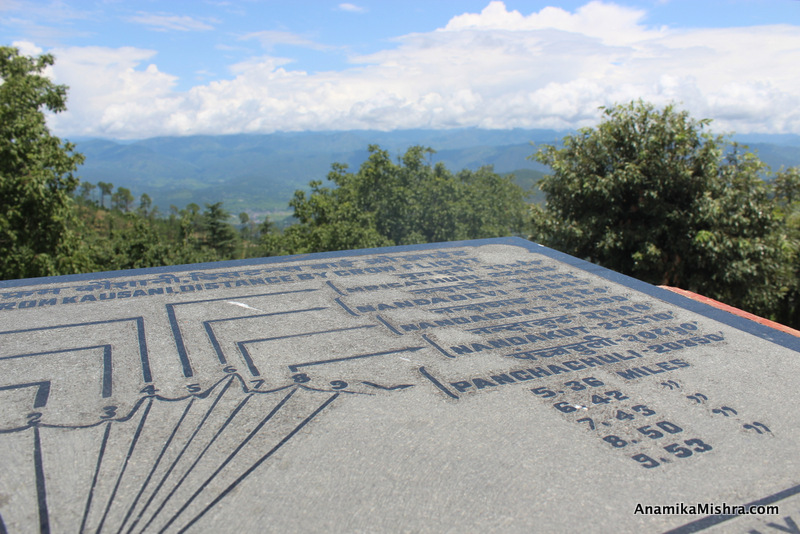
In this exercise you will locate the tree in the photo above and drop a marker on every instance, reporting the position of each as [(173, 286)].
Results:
[(105, 191), (651, 194), (786, 187), (37, 213), (411, 201), (122, 199), (145, 205), (86, 191), (219, 233)]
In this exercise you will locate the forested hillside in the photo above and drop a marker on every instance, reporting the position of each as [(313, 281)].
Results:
[(649, 192)]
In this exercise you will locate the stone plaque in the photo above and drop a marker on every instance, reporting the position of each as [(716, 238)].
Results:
[(491, 385)]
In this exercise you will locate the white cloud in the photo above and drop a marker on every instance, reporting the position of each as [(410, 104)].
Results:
[(270, 38), (165, 22), (494, 69), (27, 48), (352, 8)]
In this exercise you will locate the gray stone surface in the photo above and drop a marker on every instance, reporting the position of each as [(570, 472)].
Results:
[(480, 386)]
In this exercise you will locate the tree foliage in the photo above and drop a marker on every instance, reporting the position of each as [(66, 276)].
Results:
[(651, 194), (410, 201), (37, 215)]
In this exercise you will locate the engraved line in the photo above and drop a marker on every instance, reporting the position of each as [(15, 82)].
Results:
[(90, 425), (295, 367), (106, 362), (180, 455), (2, 526), (309, 333), (261, 460), (155, 465), (178, 337), (42, 391), (249, 359), (336, 288), (125, 464), (343, 305), (436, 383), (41, 490), (143, 355), (387, 388), (94, 478), (387, 325), (183, 356), (251, 366), (215, 342), (437, 347), (197, 460), (230, 457), (90, 323), (288, 312), (107, 374)]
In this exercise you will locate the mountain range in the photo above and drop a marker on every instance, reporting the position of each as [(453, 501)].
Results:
[(259, 173)]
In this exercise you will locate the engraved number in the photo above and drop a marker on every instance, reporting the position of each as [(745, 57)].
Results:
[(701, 447), (642, 409), (646, 461), (616, 441)]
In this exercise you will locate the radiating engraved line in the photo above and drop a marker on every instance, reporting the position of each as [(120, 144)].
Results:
[(125, 464), (94, 478), (180, 455), (41, 490), (155, 465), (261, 460), (231, 456), (199, 457)]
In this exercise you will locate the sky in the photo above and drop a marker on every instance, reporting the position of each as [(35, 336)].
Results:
[(145, 68)]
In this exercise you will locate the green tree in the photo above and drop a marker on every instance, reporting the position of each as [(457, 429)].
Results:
[(786, 188), (219, 233), (651, 194), (86, 190), (411, 201), (122, 199), (145, 205), (105, 191), (37, 213)]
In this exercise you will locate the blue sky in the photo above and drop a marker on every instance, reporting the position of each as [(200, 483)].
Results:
[(139, 68)]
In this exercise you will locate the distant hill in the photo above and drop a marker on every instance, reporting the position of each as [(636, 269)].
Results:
[(259, 173)]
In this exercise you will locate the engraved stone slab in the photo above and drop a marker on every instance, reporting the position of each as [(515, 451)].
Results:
[(471, 386)]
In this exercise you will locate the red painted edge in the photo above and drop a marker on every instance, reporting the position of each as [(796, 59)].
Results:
[(731, 309)]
